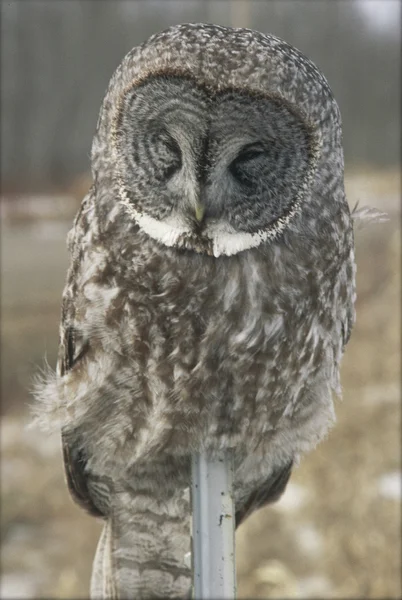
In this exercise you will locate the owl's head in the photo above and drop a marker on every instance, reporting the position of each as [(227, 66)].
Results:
[(213, 137)]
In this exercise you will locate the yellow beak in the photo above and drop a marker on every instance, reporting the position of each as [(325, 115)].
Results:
[(199, 212)]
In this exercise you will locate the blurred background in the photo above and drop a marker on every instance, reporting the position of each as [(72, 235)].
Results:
[(336, 531)]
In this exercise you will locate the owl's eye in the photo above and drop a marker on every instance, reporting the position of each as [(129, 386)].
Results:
[(246, 164), (250, 152), (170, 155)]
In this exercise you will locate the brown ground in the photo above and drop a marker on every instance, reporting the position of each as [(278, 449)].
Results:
[(336, 531)]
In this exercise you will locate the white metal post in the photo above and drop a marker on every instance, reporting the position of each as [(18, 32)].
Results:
[(213, 556)]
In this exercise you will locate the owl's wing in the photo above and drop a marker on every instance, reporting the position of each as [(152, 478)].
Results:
[(72, 350), (269, 491), (77, 479)]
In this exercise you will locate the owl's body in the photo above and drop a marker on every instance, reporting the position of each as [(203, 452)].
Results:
[(210, 293)]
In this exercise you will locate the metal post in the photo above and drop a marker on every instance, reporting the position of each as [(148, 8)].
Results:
[(214, 567)]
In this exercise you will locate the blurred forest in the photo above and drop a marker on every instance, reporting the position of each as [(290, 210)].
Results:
[(336, 531)]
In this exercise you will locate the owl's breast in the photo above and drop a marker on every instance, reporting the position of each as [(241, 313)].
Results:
[(188, 351), (217, 349)]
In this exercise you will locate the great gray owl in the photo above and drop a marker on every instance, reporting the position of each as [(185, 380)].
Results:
[(210, 293)]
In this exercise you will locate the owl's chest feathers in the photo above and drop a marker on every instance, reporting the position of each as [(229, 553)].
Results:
[(213, 311), (227, 337), (187, 348)]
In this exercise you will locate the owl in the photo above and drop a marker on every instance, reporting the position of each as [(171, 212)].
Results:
[(210, 293)]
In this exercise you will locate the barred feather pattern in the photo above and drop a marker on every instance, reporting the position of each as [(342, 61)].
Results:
[(178, 337), (153, 568)]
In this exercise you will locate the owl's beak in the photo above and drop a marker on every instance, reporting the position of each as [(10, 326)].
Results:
[(199, 212)]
